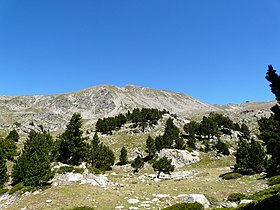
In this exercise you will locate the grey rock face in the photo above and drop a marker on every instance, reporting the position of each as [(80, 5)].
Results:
[(199, 198), (53, 111), (179, 158)]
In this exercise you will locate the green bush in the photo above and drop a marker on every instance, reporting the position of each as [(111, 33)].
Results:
[(232, 175), (265, 193), (65, 169), (2, 191), (186, 206), (274, 180), (15, 188), (78, 170), (271, 203), (234, 197), (82, 208)]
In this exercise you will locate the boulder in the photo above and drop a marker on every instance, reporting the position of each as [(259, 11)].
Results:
[(229, 204), (245, 201), (192, 198), (179, 158)]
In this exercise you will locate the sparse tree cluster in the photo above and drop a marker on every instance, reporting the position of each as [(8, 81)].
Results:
[(141, 118)]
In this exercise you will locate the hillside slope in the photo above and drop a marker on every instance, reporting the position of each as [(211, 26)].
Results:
[(53, 111)]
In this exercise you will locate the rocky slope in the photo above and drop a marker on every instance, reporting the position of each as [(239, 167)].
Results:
[(53, 111)]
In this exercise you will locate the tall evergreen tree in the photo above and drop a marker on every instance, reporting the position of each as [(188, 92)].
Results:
[(3, 169), (242, 155), (208, 127), (123, 156), (73, 148), (257, 156), (150, 147), (94, 149), (137, 164), (105, 157), (33, 167), (245, 131), (9, 148), (270, 128), (163, 165)]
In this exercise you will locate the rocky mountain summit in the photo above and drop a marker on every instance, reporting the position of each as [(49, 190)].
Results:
[(54, 111)]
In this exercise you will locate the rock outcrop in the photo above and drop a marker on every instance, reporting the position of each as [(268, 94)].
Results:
[(179, 158)]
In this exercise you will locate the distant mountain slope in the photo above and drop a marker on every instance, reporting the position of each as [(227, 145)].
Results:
[(53, 111)]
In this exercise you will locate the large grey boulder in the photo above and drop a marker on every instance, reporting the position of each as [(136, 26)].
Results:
[(180, 158), (192, 198)]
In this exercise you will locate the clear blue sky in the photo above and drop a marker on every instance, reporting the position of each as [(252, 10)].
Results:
[(216, 51)]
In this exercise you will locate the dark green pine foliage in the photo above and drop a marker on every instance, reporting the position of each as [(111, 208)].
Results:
[(222, 147), (163, 165), (245, 131), (242, 155), (250, 157), (105, 158), (191, 141), (33, 167), (94, 150), (73, 148), (270, 127), (137, 163), (257, 156), (13, 135), (192, 128), (180, 143), (159, 143), (151, 147), (208, 127), (9, 148), (123, 156), (3, 169)]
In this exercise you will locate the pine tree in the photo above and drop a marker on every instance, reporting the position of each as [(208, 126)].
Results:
[(257, 156), (13, 135), (9, 148), (242, 155), (222, 147), (94, 149), (73, 148), (163, 165), (245, 131), (33, 167), (137, 164), (208, 127), (150, 147), (123, 156), (105, 158), (180, 143), (191, 141), (3, 169)]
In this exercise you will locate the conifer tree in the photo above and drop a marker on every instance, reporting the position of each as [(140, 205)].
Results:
[(73, 148), (9, 148), (33, 167), (150, 147), (245, 131), (257, 156), (13, 135), (123, 156), (163, 165), (191, 141), (94, 149), (3, 169), (137, 164), (105, 157), (208, 127), (242, 155), (222, 147)]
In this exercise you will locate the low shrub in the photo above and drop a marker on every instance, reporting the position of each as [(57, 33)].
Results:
[(274, 180), (16, 188), (65, 169), (265, 193), (78, 170), (271, 203), (235, 197), (2, 191), (186, 206), (232, 175)]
